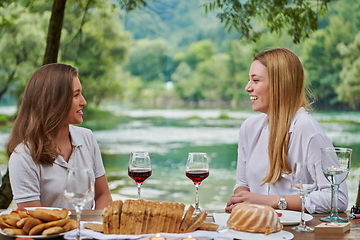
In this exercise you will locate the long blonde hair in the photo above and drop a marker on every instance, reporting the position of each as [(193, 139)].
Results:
[(287, 95), (43, 111)]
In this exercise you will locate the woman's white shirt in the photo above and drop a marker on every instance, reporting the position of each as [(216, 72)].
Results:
[(31, 182), (306, 139)]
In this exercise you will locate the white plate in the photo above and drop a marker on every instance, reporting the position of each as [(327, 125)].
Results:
[(288, 217), (33, 236), (292, 217), (8, 211), (258, 236)]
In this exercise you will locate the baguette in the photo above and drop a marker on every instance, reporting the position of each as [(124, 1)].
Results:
[(30, 223), (70, 225), (38, 229), (48, 215), (14, 231), (52, 231)]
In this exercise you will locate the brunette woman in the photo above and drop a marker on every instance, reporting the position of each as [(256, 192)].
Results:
[(44, 142)]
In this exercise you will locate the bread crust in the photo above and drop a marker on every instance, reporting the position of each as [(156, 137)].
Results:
[(52, 231), (30, 223), (97, 227), (196, 221), (14, 231), (207, 226), (145, 217), (38, 229), (48, 215), (186, 219)]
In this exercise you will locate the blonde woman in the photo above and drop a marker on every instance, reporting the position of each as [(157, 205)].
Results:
[(284, 133), (44, 142)]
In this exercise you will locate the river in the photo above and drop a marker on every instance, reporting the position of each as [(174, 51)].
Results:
[(170, 134)]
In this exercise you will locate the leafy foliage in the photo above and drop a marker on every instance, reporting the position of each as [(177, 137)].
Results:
[(22, 42), (299, 17), (349, 89), (322, 60)]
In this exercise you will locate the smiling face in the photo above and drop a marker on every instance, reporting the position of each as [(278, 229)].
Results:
[(258, 87), (78, 103)]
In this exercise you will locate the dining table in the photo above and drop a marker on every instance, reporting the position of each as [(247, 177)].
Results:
[(352, 234)]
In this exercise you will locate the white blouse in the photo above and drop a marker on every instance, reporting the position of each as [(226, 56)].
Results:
[(306, 139)]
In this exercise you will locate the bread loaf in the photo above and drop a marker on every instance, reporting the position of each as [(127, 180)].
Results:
[(135, 217), (254, 218)]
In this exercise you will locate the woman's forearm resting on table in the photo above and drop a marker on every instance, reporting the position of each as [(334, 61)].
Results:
[(243, 195)]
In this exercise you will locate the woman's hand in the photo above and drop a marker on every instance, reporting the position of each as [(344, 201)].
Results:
[(249, 197)]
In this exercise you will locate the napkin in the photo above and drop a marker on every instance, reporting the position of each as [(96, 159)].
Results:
[(89, 234)]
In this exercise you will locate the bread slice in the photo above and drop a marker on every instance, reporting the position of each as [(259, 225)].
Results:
[(155, 208), (163, 217), (196, 221), (113, 216), (97, 227), (186, 219), (138, 210), (146, 218), (125, 217), (180, 207), (105, 216), (207, 226)]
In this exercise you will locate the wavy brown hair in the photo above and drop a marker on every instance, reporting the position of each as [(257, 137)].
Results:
[(287, 95), (43, 111)]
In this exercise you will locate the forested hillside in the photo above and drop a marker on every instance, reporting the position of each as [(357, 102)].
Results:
[(179, 22), (207, 64), (172, 52)]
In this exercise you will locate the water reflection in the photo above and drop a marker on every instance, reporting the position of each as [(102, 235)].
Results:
[(169, 136)]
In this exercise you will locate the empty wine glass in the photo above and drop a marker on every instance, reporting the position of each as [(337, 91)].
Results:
[(335, 164), (139, 168), (79, 189), (197, 169), (303, 180)]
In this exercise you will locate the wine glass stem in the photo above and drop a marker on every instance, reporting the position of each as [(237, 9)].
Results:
[(302, 222), (197, 208), (334, 200), (139, 189), (78, 210)]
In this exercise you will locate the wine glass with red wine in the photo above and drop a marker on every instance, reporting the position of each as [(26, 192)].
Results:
[(197, 169), (139, 168)]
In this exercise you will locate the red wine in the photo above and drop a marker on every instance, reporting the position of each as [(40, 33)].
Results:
[(139, 175), (197, 176)]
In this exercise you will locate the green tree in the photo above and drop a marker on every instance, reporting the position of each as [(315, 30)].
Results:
[(100, 54), (322, 60), (197, 52), (22, 42), (298, 18), (349, 88), (148, 59)]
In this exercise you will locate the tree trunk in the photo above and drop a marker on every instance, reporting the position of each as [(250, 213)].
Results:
[(54, 33)]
